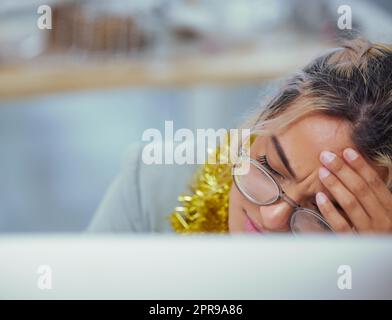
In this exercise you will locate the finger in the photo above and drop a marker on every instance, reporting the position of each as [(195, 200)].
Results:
[(355, 184), (359, 164), (331, 214), (346, 200)]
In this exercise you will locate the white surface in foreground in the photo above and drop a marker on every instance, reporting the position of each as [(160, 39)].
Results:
[(194, 267)]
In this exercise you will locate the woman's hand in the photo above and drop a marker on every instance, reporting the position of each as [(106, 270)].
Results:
[(359, 191)]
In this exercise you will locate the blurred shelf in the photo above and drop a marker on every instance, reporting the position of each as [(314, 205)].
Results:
[(239, 67)]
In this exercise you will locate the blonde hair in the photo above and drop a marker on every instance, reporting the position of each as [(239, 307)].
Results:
[(353, 83)]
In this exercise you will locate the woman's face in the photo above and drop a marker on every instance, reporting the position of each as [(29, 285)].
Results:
[(301, 144)]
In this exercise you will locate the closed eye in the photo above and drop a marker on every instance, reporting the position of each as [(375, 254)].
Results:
[(264, 162)]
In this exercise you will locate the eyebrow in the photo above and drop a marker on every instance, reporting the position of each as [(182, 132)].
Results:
[(286, 163), (282, 156)]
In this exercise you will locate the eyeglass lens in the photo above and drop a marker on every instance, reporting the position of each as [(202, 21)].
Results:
[(261, 188)]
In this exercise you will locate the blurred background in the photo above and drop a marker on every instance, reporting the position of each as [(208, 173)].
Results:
[(73, 98)]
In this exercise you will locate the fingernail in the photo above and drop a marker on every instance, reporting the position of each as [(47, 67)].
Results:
[(350, 154), (327, 157), (321, 198), (323, 173)]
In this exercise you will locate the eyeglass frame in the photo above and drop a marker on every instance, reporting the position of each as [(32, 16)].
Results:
[(281, 196)]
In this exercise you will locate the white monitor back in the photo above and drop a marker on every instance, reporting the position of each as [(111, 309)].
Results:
[(195, 267)]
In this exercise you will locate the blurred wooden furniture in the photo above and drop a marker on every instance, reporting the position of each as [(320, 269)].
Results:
[(50, 75)]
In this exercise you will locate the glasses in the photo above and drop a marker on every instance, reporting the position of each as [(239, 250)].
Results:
[(256, 182)]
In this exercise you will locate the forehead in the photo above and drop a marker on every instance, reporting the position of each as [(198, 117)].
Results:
[(315, 133), (303, 140)]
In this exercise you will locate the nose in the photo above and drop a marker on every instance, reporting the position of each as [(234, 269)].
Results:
[(276, 217)]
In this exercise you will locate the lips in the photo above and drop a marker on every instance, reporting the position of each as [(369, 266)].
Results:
[(250, 226)]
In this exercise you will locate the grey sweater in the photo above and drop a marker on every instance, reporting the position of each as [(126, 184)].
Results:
[(142, 196)]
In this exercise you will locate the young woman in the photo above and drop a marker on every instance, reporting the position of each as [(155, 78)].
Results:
[(320, 160)]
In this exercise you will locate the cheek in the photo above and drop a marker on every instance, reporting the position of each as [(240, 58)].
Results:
[(235, 212)]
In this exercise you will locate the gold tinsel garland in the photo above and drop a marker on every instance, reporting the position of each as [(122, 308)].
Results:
[(206, 208)]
